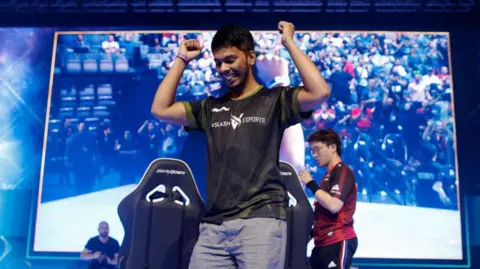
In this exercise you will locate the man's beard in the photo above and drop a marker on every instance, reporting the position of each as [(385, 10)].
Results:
[(241, 84), (239, 87)]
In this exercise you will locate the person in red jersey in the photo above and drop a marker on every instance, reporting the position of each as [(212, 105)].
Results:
[(335, 202)]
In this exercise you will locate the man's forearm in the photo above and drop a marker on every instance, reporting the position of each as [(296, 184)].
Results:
[(166, 92), (114, 261), (324, 199), (313, 81), (87, 256)]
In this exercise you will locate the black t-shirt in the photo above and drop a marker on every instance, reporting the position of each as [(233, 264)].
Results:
[(427, 175), (396, 92), (340, 86), (243, 144), (110, 248)]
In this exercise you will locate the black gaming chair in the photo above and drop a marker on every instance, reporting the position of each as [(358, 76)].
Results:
[(300, 219), (161, 218)]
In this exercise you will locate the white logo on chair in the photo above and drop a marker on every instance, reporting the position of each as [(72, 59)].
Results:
[(170, 172), (187, 200), (292, 201), (160, 188), (285, 173)]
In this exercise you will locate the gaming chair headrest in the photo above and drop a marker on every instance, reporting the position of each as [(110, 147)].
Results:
[(169, 175)]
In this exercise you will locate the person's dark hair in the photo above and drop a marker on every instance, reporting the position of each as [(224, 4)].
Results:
[(233, 36), (328, 137)]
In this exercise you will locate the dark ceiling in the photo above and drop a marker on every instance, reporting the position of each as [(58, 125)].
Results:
[(153, 6)]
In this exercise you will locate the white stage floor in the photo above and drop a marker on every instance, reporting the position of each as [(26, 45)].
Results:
[(384, 231)]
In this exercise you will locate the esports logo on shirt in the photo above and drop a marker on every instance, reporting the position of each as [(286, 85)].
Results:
[(235, 121)]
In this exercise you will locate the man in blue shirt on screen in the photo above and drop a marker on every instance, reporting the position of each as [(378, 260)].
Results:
[(102, 250), (244, 225)]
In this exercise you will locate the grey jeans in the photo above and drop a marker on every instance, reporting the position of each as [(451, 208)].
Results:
[(256, 243)]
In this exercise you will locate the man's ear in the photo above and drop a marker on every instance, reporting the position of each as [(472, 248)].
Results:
[(333, 147), (251, 57)]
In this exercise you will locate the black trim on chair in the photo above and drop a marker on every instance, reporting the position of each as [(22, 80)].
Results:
[(181, 239), (177, 197), (299, 221), (149, 231), (122, 262)]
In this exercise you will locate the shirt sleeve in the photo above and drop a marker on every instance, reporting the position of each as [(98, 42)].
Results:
[(195, 115), (342, 183), (291, 113), (90, 245), (116, 247)]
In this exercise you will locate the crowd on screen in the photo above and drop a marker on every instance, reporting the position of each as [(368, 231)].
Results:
[(391, 103)]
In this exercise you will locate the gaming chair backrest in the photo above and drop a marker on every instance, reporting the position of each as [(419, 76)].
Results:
[(300, 219), (125, 213), (161, 216)]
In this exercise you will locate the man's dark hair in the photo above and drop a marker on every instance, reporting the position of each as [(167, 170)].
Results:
[(233, 36), (328, 137)]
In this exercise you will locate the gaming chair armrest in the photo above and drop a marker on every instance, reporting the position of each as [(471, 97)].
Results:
[(122, 262)]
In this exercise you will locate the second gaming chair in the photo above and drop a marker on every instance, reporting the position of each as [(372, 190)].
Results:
[(300, 219)]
